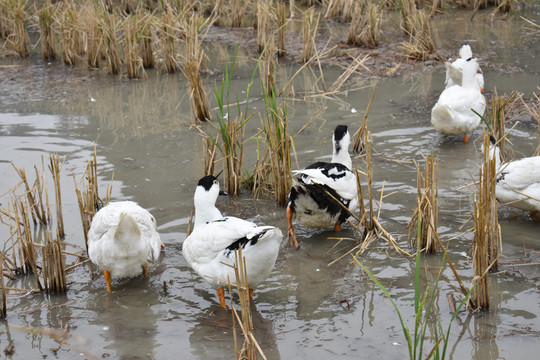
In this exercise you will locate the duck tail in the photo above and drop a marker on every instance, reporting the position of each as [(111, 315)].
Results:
[(440, 114), (127, 229)]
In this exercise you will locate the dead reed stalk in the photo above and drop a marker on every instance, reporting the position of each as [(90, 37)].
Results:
[(250, 347), (269, 64), (71, 35), (359, 135), (134, 64), (110, 25), (486, 227), (534, 111), (46, 16), (55, 168), (500, 106), (88, 198), (54, 272), (281, 30), (3, 313), (309, 30), (426, 206), (210, 152)]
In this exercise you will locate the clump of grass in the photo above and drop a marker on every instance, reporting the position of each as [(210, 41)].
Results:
[(110, 25), (365, 29), (342, 9), (238, 9), (195, 57), (17, 38), (426, 206), (500, 106), (310, 25), (47, 37), (54, 269), (93, 37), (71, 38), (230, 130), (487, 234), (34, 196), (167, 33), (426, 316), (134, 63), (146, 40), (420, 45), (263, 13), (278, 140)]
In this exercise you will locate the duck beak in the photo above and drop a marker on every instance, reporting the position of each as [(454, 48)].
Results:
[(480, 71), (222, 192)]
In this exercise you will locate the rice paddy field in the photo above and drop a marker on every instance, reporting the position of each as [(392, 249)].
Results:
[(140, 123)]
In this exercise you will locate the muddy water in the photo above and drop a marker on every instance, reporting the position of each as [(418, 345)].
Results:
[(143, 134)]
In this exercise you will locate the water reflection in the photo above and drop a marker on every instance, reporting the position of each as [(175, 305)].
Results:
[(211, 334), (127, 321)]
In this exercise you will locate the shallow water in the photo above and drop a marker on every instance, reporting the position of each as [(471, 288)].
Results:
[(142, 132)]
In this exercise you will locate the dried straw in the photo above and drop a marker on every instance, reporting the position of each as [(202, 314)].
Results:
[(134, 63), (426, 206), (420, 45), (71, 34), (17, 38), (534, 111), (487, 234), (54, 273), (250, 347), (47, 38), (281, 30), (309, 30), (501, 105), (55, 168), (110, 25)]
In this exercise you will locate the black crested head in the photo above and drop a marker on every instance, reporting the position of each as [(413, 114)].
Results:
[(469, 59), (492, 140), (340, 132), (207, 182)]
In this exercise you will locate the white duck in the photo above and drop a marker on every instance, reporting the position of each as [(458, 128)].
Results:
[(308, 201), (454, 69), (518, 182), (453, 113), (210, 248), (123, 240)]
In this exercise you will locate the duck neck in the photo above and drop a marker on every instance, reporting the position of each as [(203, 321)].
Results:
[(341, 155), (205, 214)]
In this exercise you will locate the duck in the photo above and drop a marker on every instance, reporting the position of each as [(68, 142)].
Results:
[(123, 240), (454, 112), (518, 181), (308, 200), (454, 69), (210, 248)]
